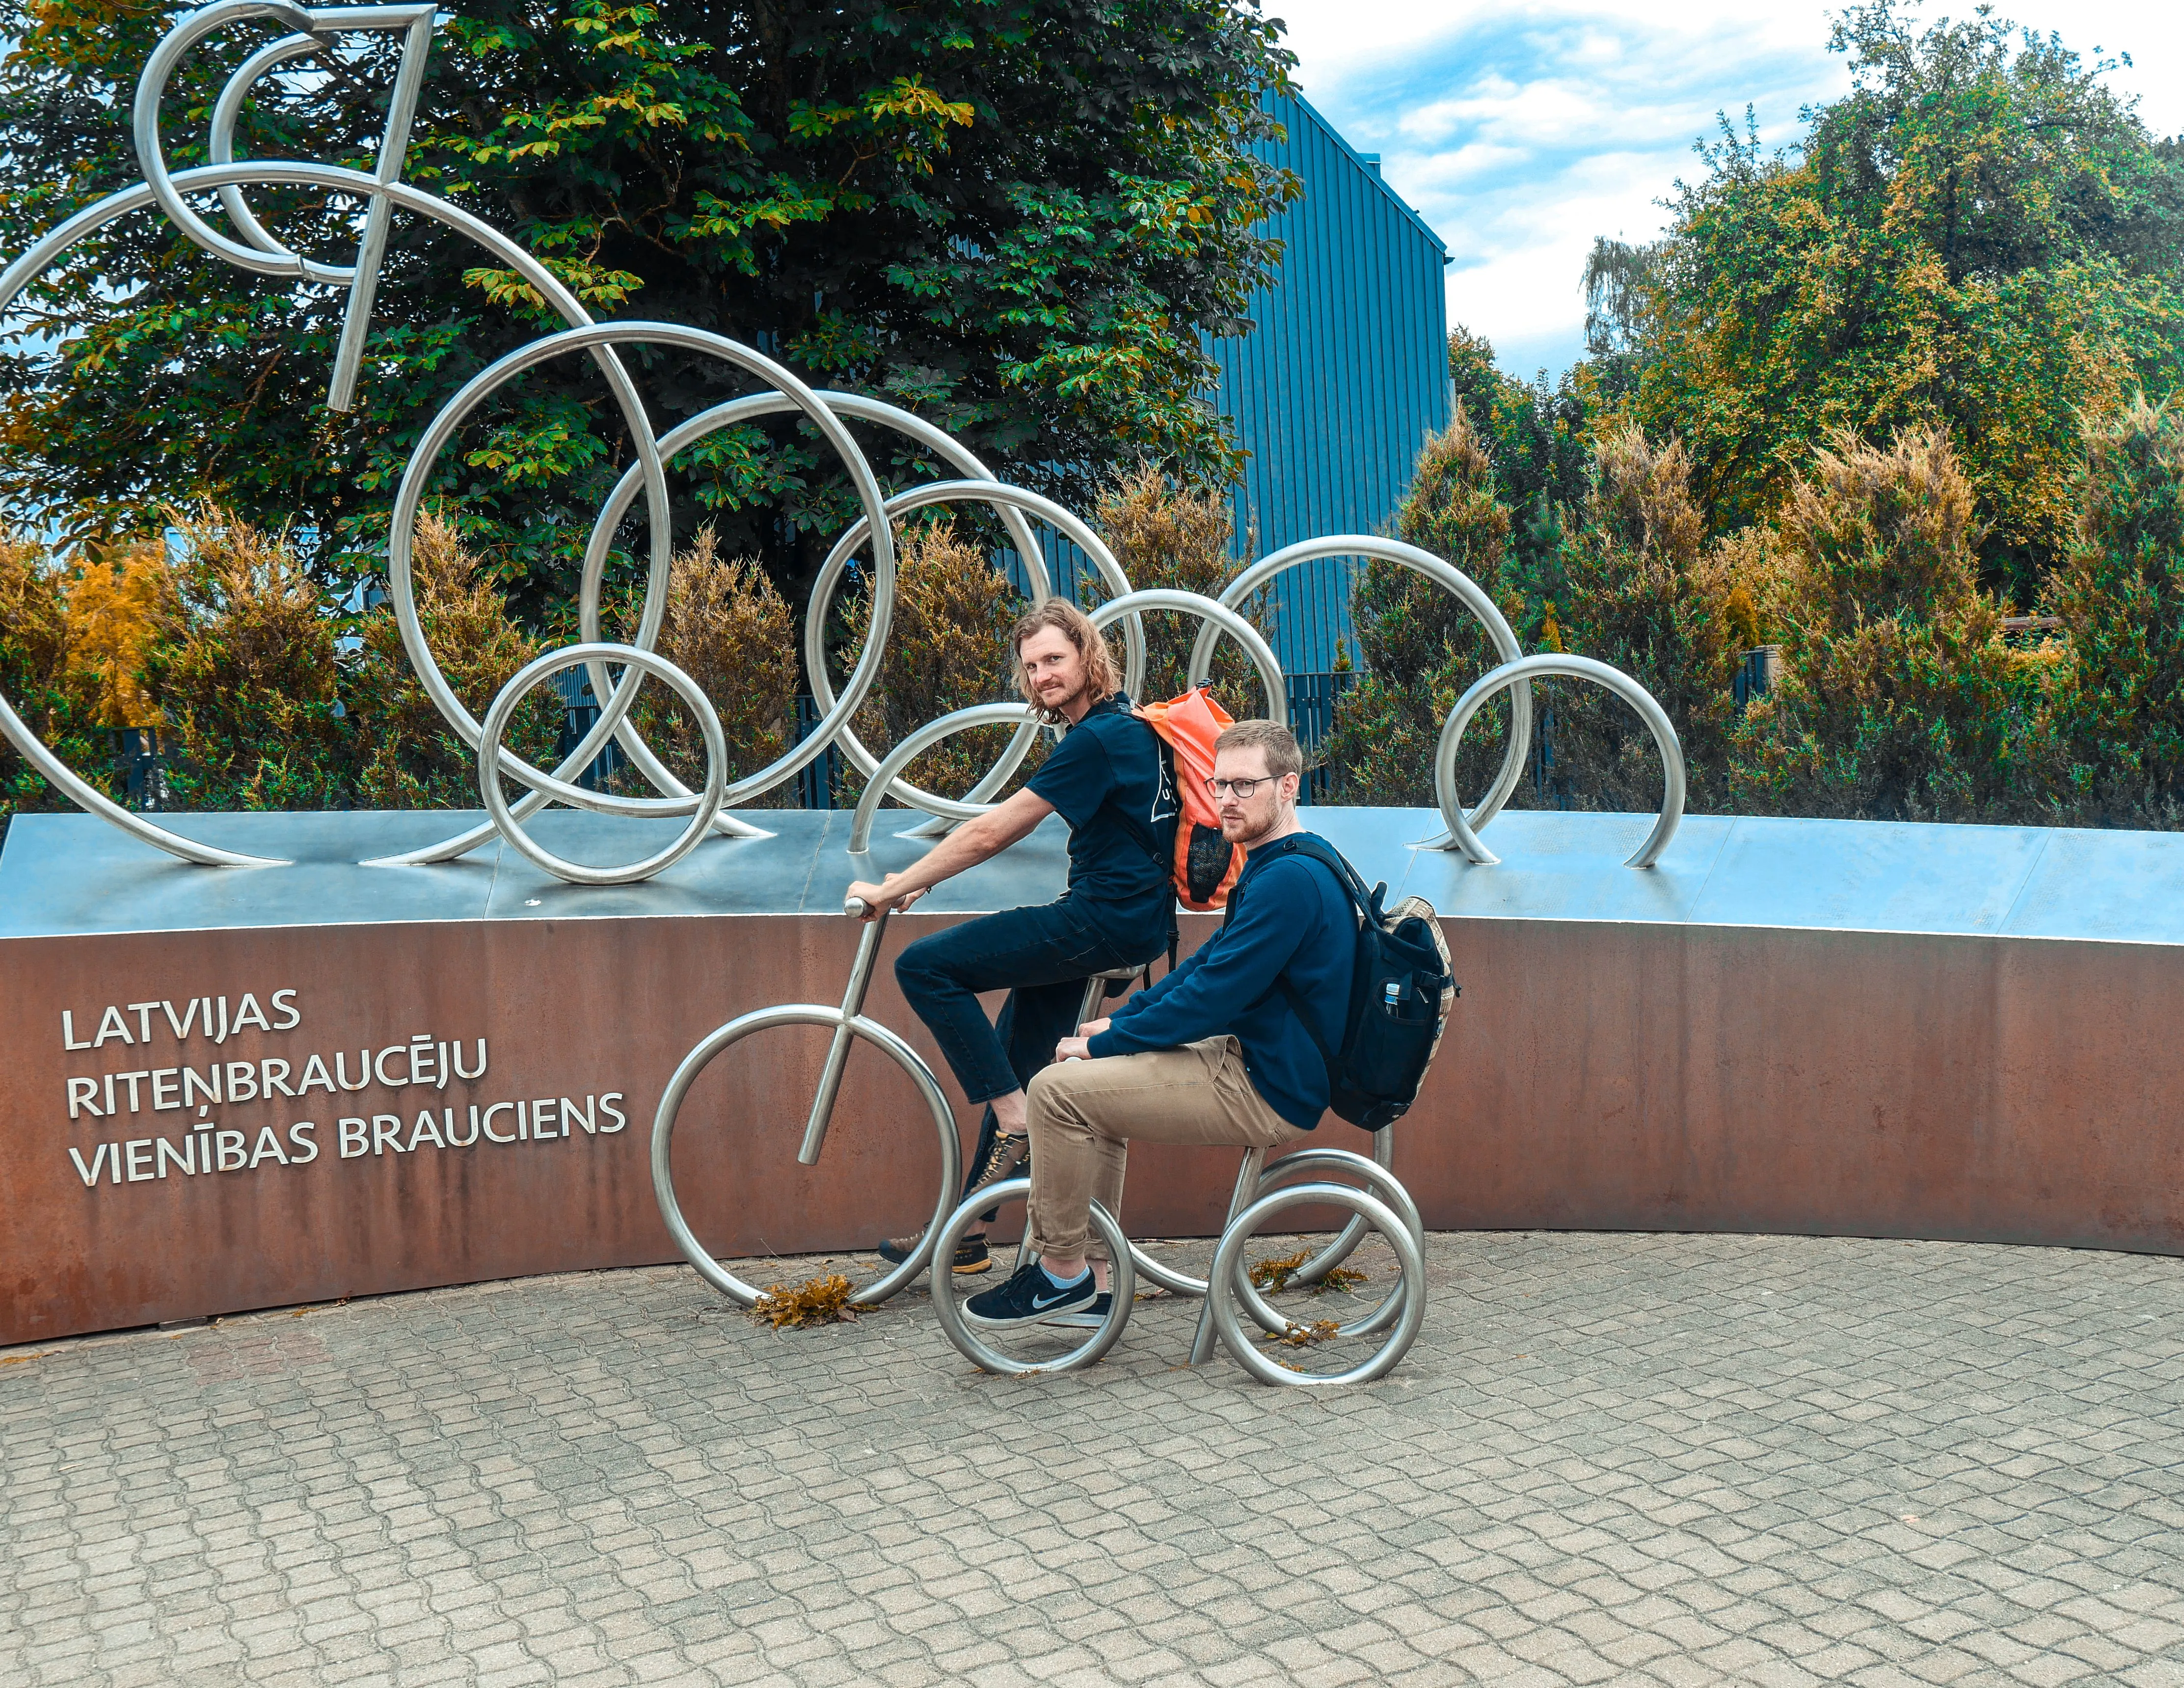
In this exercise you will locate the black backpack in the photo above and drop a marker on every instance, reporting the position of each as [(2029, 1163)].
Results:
[(1400, 991)]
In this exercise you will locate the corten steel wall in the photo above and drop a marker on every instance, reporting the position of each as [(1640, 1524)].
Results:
[(1597, 1075)]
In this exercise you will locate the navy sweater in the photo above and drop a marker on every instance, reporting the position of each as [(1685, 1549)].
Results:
[(1291, 920)]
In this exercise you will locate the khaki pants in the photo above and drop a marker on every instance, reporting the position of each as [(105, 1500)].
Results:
[(1085, 1113)]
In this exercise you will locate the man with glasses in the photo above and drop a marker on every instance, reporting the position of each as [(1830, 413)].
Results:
[(1215, 1053)]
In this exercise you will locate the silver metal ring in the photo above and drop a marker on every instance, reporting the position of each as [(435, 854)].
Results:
[(1377, 1179), (703, 806), (1352, 1234), (1231, 1267), (835, 718), (1214, 614), (916, 744), (1003, 498), (1558, 665), (874, 1291), (1443, 573), (1123, 1290)]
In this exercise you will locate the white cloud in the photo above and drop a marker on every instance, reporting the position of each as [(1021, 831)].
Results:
[(1520, 131)]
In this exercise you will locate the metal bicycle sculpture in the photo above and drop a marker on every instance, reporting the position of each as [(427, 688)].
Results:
[(247, 243)]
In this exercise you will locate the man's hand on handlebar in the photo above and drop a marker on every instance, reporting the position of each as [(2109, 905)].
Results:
[(877, 899)]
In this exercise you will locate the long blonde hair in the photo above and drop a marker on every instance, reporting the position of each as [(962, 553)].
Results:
[(1101, 680)]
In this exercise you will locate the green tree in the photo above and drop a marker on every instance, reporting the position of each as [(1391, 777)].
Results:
[(1901, 698), (1980, 236), (1422, 647), (1647, 593), (1018, 217), (1180, 537), (405, 755), (2118, 708), (1539, 437)]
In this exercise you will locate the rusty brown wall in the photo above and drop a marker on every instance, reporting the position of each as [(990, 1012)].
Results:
[(1597, 1076)]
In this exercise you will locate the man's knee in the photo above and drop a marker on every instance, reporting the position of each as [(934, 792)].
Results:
[(1063, 1096), (920, 969)]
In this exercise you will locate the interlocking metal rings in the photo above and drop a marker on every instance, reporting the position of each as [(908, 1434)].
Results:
[(1231, 1283), (1443, 573), (382, 192), (703, 806)]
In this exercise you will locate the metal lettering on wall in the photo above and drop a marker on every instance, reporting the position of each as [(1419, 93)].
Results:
[(112, 1101), (383, 192)]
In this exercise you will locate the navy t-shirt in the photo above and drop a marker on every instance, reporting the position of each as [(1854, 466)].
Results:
[(1107, 780)]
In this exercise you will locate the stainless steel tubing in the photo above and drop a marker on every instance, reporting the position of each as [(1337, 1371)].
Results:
[(1352, 1234), (1006, 499), (838, 713), (704, 804), (1123, 1286), (1382, 1184), (1549, 664), (1247, 1187), (838, 1052), (597, 338), (914, 745), (166, 194), (1443, 573), (1231, 1268), (877, 1290), (1215, 615), (1183, 1284)]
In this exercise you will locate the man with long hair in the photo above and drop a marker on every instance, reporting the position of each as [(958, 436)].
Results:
[(1225, 1050), (1108, 780)]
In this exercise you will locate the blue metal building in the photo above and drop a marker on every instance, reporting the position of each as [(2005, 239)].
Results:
[(1345, 374), (1334, 391)]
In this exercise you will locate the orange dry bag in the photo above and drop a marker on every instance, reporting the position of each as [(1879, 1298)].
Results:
[(1206, 864)]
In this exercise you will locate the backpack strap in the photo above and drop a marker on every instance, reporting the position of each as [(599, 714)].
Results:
[(1345, 875)]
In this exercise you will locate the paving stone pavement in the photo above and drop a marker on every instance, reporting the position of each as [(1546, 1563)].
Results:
[(1675, 1460)]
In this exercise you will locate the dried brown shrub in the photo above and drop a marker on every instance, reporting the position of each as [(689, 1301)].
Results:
[(947, 650), (1645, 594), (1179, 538), (409, 757), (56, 692), (244, 668), (115, 608), (728, 627), (816, 1301)]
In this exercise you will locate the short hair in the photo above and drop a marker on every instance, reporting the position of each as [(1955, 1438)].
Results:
[(1074, 625), (1283, 753)]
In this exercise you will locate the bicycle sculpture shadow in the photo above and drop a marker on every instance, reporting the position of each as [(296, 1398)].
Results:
[(618, 669)]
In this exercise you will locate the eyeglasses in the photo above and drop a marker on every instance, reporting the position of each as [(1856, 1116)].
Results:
[(1243, 789)]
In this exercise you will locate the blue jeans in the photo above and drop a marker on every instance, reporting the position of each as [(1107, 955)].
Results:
[(1041, 956)]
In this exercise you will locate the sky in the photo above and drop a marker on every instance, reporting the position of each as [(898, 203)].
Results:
[(1519, 131)]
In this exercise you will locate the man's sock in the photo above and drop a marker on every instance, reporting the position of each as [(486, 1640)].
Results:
[(1063, 1283)]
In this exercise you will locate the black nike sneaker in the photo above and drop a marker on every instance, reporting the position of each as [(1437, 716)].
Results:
[(1030, 1297), (1086, 1318), (971, 1254)]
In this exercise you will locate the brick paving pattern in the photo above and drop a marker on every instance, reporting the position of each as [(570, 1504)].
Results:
[(1642, 1459)]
